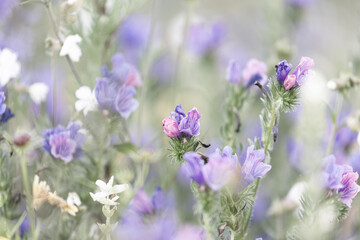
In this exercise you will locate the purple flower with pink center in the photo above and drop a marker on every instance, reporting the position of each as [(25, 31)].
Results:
[(253, 166), (64, 143), (298, 75), (179, 123)]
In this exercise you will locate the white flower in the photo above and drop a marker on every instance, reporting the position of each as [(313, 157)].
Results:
[(104, 196), (71, 48), (38, 92), (9, 66), (73, 199), (87, 101)]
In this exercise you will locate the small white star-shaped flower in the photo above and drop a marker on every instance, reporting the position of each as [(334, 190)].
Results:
[(104, 196), (87, 101), (71, 48)]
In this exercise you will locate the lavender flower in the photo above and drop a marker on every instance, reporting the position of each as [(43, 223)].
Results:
[(143, 205), (193, 167), (254, 70), (282, 70), (350, 188), (125, 104), (253, 166), (297, 77), (6, 6), (105, 93), (64, 143), (6, 116), (190, 125), (2, 104), (178, 114), (332, 174), (203, 38), (220, 168)]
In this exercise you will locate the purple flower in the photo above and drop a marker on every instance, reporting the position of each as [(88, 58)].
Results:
[(297, 77), (178, 114), (105, 93), (233, 72), (282, 70), (203, 38), (6, 116), (220, 168), (350, 188), (254, 70), (134, 33), (2, 104), (189, 232), (125, 103), (143, 205), (193, 167), (332, 174), (190, 125), (301, 70), (6, 6), (64, 143), (25, 226), (253, 166)]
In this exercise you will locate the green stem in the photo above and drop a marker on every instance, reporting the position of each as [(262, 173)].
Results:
[(207, 225), (232, 235), (339, 102), (267, 139), (108, 237), (28, 195)]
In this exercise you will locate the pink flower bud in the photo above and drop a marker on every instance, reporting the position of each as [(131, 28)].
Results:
[(171, 128), (290, 81)]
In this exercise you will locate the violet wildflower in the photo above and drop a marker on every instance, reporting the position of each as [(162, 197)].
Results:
[(298, 75), (254, 70), (350, 188), (253, 166), (125, 103), (178, 114), (193, 167), (142, 204), (332, 174), (190, 125), (204, 38), (6, 116), (220, 168), (282, 70), (2, 104), (64, 143)]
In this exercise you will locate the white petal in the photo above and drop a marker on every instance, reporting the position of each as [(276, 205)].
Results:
[(101, 184), (119, 188), (83, 92)]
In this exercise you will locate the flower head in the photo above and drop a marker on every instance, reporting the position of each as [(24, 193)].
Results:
[(282, 70), (171, 128), (40, 192), (253, 166), (64, 143), (71, 47), (332, 174), (38, 92), (190, 125), (87, 101), (142, 204), (9, 66), (220, 169), (193, 167), (178, 114), (350, 188), (125, 103), (298, 75), (254, 70), (107, 190)]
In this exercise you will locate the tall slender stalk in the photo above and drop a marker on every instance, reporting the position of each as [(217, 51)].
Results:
[(339, 101), (28, 195), (48, 7)]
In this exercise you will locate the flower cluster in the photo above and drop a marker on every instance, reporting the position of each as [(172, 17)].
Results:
[(178, 123), (42, 194), (297, 77), (115, 90), (64, 143), (340, 179), (222, 167), (107, 194), (254, 70)]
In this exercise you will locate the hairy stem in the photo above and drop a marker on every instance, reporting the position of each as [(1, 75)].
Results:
[(339, 102)]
